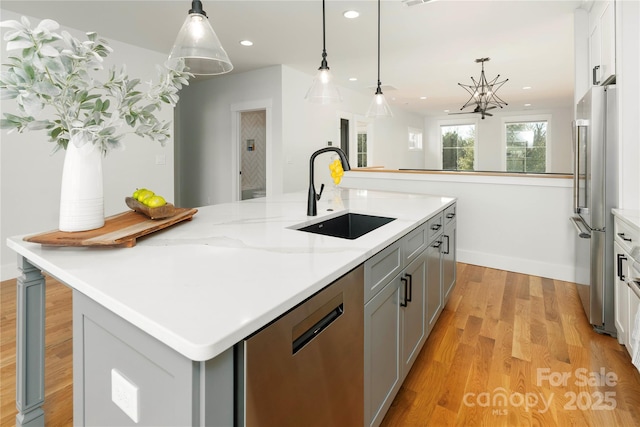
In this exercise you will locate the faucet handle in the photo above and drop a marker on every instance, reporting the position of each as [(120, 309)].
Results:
[(320, 193)]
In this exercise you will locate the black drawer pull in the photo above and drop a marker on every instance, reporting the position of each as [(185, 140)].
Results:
[(447, 251), (450, 215), (437, 244), (406, 283), (621, 258), (623, 237), (410, 287), (436, 227)]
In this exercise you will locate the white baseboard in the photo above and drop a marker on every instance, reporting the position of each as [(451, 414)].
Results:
[(8, 271), (518, 265)]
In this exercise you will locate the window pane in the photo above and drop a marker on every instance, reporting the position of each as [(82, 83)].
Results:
[(458, 147), (415, 139), (362, 150), (526, 146)]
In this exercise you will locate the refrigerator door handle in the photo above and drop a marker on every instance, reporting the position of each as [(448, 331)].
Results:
[(583, 230), (577, 124)]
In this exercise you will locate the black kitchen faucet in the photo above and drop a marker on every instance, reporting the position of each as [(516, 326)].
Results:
[(312, 208)]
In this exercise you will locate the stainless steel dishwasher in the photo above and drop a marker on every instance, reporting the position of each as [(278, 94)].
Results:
[(306, 368)]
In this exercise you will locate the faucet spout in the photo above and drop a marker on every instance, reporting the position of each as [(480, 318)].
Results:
[(312, 198)]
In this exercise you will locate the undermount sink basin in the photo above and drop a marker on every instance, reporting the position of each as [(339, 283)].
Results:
[(347, 226)]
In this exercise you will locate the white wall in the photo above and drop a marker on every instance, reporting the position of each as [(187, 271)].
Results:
[(490, 139), (30, 176), (205, 143), (511, 223)]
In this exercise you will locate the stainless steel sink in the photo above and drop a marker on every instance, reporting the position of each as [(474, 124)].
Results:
[(347, 226)]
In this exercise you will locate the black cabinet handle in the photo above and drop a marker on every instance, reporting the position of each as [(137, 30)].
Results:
[(596, 68), (450, 215), (447, 251), (435, 227), (410, 287), (406, 282), (621, 257), (622, 236), (437, 244)]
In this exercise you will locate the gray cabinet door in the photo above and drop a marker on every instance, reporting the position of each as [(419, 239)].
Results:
[(448, 260), (414, 317), (382, 378), (434, 282)]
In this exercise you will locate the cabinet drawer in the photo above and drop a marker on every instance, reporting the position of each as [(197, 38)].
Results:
[(450, 214), (626, 235), (414, 243), (434, 226), (381, 268)]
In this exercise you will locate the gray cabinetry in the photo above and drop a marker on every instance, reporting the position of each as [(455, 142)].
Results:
[(434, 282), (382, 367), (448, 250), (403, 300), (129, 378)]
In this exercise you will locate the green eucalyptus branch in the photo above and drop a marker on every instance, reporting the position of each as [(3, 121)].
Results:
[(54, 90)]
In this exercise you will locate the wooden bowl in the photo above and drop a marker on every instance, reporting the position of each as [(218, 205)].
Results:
[(160, 212)]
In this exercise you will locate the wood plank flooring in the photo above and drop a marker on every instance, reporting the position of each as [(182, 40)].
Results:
[(516, 350), (508, 350)]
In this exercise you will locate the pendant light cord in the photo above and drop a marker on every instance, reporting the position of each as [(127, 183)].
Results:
[(323, 64), (378, 90)]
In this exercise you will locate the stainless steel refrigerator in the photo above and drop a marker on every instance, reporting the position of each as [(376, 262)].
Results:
[(595, 193)]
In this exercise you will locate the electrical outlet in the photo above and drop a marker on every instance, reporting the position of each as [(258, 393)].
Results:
[(125, 395)]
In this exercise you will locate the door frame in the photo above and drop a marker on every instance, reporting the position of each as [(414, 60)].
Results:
[(236, 110)]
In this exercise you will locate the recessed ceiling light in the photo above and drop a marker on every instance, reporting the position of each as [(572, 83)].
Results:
[(527, 105), (526, 87), (423, 97), (353, 79), (446, 111), (351, 14), (246, 42)]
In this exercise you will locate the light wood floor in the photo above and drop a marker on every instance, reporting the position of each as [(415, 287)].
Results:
[(502, 334)]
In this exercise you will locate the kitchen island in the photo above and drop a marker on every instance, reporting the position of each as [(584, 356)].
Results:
[(196, 290)]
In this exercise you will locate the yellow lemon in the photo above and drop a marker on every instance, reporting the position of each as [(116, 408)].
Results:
[(135, 193), (144, 195), (155, 201)]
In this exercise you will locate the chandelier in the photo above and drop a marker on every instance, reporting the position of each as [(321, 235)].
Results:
[(483, 93)]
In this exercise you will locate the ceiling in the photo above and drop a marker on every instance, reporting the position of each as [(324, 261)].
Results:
[(426, 49)]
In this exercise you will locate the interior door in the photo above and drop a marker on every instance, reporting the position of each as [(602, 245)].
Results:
[(253, 160)]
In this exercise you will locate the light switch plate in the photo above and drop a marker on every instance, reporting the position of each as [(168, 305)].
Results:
[(125, 395)]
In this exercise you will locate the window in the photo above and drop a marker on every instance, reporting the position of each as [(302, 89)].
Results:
[(362, 149), (415, 139), (526, 146), (458, 146)]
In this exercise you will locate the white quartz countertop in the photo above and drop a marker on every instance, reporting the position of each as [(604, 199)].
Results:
[(631, 216), (203, 285)]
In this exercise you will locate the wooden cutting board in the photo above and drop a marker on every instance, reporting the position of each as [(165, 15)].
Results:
[(119, 230)]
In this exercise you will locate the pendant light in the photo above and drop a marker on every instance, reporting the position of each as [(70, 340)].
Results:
[(379, 106), (323, 91), (199, 46)]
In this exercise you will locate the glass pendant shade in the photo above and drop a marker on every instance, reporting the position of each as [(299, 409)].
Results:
[(379, 107), (200, 48), (322, 90)]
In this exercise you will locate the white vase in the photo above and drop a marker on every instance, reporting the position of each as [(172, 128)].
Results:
[(81, 196)]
